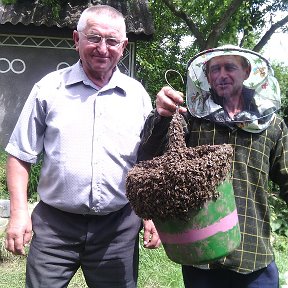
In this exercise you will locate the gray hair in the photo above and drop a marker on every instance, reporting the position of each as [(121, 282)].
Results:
[(100, 10)]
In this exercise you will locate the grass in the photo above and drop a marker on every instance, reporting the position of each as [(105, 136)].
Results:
[(155, 271)]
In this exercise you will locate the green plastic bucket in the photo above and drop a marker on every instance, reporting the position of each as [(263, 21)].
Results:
[(208, 234)]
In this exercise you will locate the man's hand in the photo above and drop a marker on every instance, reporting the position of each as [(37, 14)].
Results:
[(19, 229), (151, 238), (167, 101), (19, 232)]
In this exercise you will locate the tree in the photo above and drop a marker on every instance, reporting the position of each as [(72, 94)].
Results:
[(214, 19), (204, 24), (281, 73)]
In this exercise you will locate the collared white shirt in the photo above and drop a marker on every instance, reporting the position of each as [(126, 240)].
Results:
[(89, 138)]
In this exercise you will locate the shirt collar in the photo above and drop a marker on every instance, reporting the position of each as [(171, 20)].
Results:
[(76, 74)]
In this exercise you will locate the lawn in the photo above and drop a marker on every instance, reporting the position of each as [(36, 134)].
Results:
[(156, 270)]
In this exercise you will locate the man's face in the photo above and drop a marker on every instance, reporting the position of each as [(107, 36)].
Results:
[(99, 59), (226, 75)]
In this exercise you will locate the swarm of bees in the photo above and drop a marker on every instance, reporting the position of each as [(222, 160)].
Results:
[(169, 186)]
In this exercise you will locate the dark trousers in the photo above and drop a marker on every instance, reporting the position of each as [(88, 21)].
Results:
[(105, 247), (223, 278)]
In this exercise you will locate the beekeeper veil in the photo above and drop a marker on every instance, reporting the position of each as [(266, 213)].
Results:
[(261, 91)]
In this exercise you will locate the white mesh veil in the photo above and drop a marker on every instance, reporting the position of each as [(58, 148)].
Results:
[(265, 87)]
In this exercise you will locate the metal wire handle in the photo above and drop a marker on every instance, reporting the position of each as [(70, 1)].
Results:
[(175, 71), (182, 80)]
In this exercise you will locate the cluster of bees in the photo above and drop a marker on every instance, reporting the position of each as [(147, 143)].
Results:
[(183, 178)]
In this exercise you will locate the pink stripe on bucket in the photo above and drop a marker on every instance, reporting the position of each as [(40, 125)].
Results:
[(224, 224)]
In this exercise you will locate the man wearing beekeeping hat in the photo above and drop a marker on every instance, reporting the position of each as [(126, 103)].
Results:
[(232, 97)]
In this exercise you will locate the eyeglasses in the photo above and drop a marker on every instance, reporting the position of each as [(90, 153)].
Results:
[(96, 39)]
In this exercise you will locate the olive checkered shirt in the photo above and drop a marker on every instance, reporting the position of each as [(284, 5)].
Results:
[(257, 158)]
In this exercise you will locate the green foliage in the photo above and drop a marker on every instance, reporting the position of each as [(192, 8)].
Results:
[(3, 184), (280, 246), (217, 22), (54, 4), (33, 179), (164, 52), (279, 215), (281, 73), (7, 2), (191, 27)]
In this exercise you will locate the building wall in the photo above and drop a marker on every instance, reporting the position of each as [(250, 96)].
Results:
[(25, 59)]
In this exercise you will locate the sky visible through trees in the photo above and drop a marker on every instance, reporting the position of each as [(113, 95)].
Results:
[(277, 48)]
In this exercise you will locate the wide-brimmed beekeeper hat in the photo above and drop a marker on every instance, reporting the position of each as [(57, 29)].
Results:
[(261, 80)]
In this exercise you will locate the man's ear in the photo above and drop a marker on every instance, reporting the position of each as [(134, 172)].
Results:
[(125, 43), (76, 39)]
